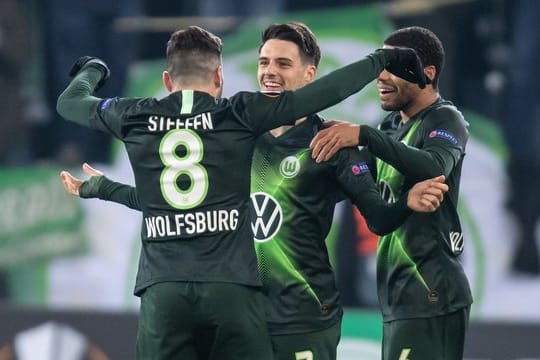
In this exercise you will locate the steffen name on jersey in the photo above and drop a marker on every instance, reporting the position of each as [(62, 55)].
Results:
[(164, 123), (192, 223)]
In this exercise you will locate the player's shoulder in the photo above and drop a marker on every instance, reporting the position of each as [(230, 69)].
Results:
[(444, 111), (124, 104), (142, 105), (245, 96), (350, 156)]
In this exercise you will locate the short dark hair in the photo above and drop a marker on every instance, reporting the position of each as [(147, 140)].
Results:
[(298, 33), (193, 53), (428, 46)]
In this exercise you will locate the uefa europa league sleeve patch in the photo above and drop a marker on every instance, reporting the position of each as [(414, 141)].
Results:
[(443, 134), (360, 169)]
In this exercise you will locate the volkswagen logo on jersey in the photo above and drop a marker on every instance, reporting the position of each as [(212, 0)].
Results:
[(289, 167), (266, 216)]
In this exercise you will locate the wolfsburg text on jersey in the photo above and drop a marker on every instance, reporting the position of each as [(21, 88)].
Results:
[(165, 123), (191, 223)]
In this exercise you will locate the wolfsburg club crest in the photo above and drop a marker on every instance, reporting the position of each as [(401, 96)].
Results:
[(289, 167)]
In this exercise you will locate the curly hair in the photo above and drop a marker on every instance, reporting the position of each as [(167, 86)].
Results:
[(428, 46)]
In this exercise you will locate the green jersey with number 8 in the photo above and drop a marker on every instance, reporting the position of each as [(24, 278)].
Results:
[(191, 157)]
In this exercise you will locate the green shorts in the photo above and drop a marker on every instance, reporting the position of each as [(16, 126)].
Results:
[(200, 320), (319, 345), (435, 338)]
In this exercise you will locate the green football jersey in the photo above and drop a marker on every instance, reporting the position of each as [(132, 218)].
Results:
[(191, 157), (293, 207), (418, 269)]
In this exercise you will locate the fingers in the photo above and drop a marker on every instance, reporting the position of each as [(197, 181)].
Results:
[(323, 146), (316, 143), (433, 193), (70, 183), (436, 189), (327, 142), (440, 178), (90, 170), (330, 123), (327, 152), (430, 202), (427, 195)]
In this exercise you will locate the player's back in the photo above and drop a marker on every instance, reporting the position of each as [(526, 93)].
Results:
[(191, 156)]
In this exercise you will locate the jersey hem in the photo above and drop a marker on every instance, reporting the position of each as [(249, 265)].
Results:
[(139, 289), (412, 315), (303, 330)]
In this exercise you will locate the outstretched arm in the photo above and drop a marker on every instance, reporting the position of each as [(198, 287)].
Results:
[(417, 163), (272, 110), (382, 218), (100, 187), (443, 144)]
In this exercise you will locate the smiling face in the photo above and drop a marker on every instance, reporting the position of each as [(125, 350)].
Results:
[(395, 93), (281, 67)]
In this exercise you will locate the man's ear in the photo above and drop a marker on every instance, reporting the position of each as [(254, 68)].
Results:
[(311, 72), (430, 71), (218, 77), (167, 80)]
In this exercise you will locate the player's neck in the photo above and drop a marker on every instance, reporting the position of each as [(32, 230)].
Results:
[(277, 132), (196, 87), (420, 104)]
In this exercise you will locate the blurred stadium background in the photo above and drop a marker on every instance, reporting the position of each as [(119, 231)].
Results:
[(67, 266)]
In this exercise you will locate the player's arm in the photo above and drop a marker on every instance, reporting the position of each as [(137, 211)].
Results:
[(273, 110), (443, 144), (382, 218), (100, 187), (77, 102), (445, 136)]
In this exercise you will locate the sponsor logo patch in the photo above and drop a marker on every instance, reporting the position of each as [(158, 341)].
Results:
[(266, 216), (444, 135), (360, 168)]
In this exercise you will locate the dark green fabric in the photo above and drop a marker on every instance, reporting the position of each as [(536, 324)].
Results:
[(191, 157), (418, 268), (318, 345), (436, 338), (295, 200), (103, 188), (189, 320)]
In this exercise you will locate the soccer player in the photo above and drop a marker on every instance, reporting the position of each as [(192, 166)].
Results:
[(191, 155), (423, 291)]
